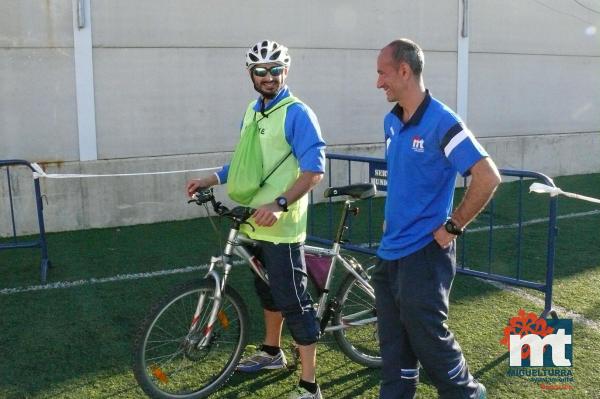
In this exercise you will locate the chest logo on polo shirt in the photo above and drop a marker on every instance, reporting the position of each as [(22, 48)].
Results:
[(418, 144)]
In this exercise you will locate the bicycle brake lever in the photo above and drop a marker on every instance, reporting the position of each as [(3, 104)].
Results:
[(250, 224), (193, 198)]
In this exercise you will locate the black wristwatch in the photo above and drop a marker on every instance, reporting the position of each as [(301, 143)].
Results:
[(452, 228), (282, 202)]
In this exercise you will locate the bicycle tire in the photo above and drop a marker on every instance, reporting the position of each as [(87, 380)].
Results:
[(359, 343), (165, 367)]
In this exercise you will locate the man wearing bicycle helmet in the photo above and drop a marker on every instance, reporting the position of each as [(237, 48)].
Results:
[(285, 124), (426, 145)]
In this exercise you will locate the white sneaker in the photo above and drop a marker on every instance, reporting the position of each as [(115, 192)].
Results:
[(302, 393)]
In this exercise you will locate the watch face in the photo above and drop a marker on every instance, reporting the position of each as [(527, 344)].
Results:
[(452, 228), (448, 227), (282, 202)]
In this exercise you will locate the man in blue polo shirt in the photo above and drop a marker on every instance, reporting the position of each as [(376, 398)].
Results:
[(426, 145)]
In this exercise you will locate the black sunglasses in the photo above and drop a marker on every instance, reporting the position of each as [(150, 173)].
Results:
[(262, 72)]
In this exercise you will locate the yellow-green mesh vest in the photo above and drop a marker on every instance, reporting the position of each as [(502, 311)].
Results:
[(291, 226)]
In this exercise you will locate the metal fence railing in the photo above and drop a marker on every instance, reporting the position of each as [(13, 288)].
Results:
[(348, 169), (14, 242)]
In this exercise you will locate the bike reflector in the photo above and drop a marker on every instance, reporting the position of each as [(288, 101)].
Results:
[(223, 319), (160, 375)]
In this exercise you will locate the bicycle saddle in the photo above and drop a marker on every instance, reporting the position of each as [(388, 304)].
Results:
[(357, 191)]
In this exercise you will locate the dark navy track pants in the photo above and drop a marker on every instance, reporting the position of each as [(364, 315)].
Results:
[(412, 295)]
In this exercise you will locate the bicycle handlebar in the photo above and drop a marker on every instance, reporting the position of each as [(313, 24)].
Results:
[(239, 213)]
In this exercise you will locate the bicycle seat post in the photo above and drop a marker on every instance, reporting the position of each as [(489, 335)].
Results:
[(339, 235)]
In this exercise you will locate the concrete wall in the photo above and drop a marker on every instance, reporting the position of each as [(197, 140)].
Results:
[(38, 119), (170, 89), (534, 86), (176, 74)]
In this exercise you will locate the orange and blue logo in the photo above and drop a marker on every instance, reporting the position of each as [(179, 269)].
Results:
[(540, 349)]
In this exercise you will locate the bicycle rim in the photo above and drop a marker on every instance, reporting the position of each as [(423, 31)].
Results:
[(359, 342), (168, 364)]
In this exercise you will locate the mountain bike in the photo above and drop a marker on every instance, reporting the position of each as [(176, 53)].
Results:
[(191, 341)]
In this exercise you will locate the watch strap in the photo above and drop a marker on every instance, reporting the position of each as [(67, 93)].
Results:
[(452, 228)]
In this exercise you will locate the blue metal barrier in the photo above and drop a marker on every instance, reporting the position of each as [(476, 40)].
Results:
[(15, 242), (377, 173)]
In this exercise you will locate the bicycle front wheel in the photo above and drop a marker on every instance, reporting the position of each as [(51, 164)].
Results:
[(169, 362), (356, 313)]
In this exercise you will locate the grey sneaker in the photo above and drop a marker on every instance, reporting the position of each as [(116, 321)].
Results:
[(302, 393), (261, 360)]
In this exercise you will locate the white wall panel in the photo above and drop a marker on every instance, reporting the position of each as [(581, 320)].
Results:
[(535, 26), (307, 24), (519, 94), (551, 154), (37, 105), (36, 23), (168, 101)]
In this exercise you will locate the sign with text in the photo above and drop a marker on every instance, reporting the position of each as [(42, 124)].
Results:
[(378, 175)]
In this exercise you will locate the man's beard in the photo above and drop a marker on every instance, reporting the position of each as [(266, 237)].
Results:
[(266, 95)]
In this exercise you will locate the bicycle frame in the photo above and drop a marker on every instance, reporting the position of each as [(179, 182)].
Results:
[(175, 358), (354, 269), (323, 299), (237, 244)]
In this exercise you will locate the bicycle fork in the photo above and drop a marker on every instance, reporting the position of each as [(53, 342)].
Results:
[(213, 317), (219, 285)]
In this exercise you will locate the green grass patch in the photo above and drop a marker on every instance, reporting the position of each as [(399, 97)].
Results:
[(76, 342)]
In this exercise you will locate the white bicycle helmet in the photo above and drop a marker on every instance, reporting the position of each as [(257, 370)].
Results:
[(267, 51)]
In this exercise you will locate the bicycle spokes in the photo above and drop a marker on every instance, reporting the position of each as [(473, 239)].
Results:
[(175, 360)]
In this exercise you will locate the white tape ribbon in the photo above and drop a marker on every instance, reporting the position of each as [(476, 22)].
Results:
[(540, 188), (554, 191), (39, 172)]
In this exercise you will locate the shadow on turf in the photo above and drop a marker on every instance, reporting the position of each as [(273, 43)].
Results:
[(353, 384), (491, 365), (351, 390), (254, 382)]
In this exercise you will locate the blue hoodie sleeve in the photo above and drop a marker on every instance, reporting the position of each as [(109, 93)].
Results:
[(222, 174), (303, 133)]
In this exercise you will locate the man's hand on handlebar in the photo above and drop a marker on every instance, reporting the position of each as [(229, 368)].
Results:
[(194, 185), (267, 214)]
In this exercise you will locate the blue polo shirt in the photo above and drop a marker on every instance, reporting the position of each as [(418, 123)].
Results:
[(423, 156), (302, 132)]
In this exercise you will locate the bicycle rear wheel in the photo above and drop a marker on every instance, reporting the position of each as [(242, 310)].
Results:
[(356, 310), (167, 362)]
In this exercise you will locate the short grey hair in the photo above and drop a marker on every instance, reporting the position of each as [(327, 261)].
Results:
[(405, 50)]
